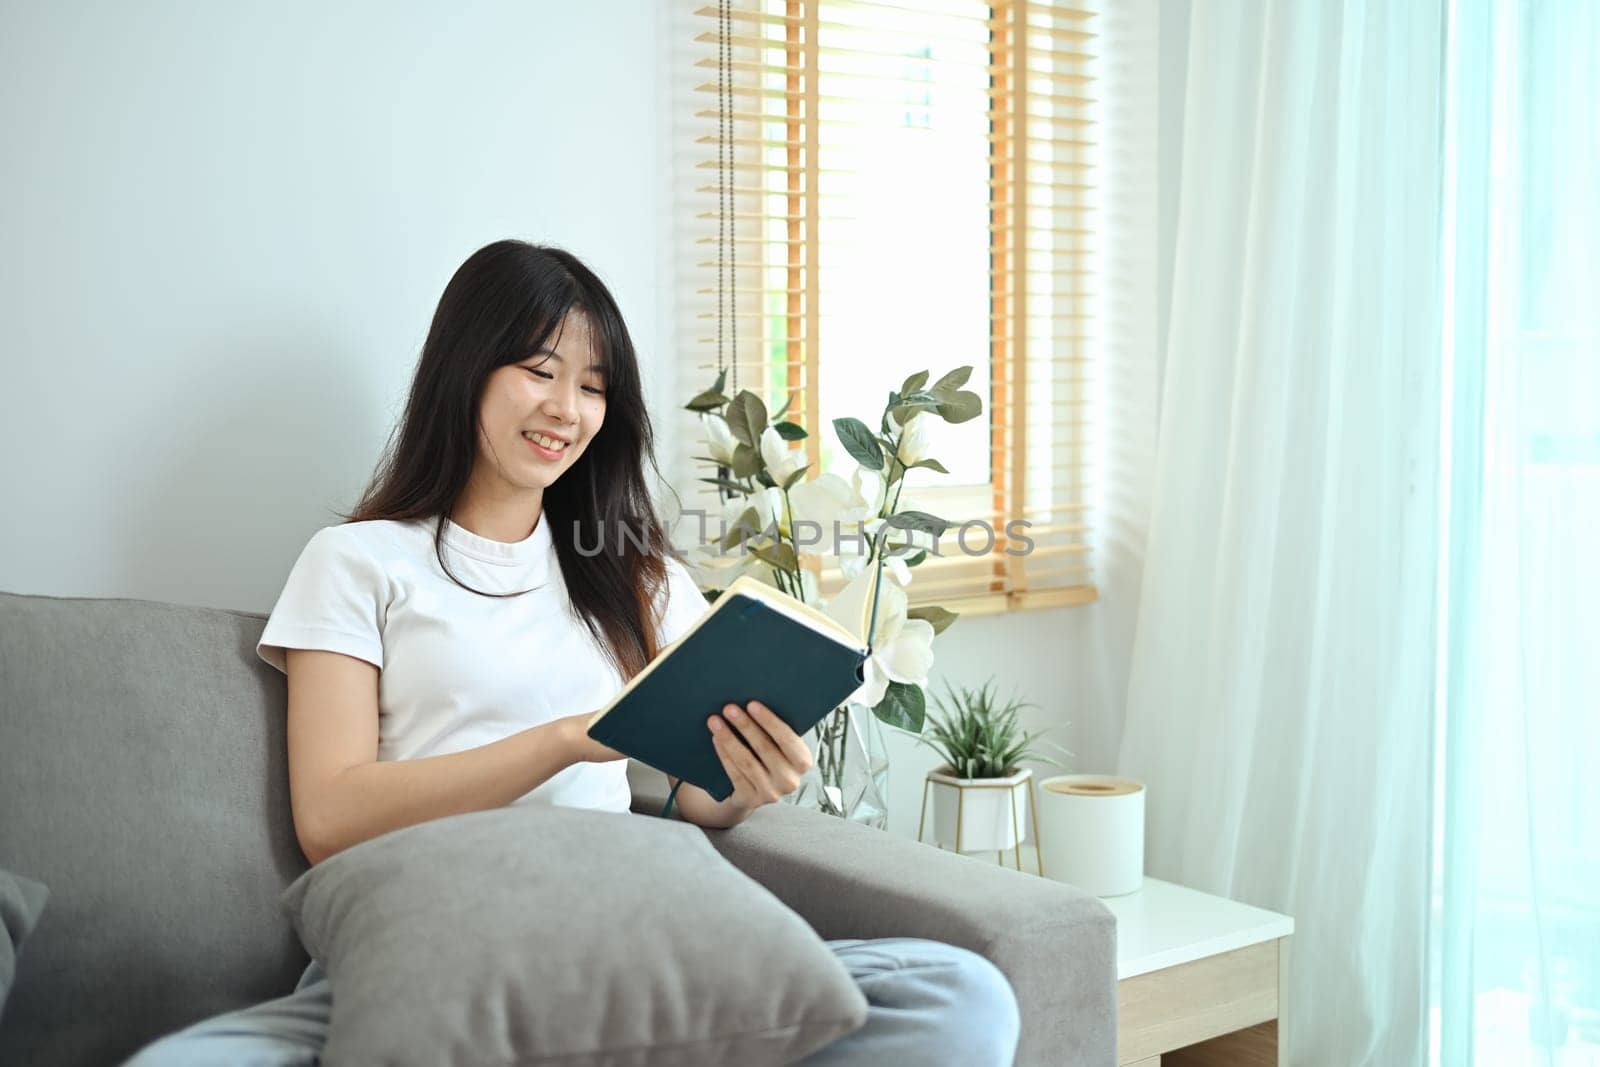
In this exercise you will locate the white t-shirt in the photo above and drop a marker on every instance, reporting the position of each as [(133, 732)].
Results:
[(459, 670)]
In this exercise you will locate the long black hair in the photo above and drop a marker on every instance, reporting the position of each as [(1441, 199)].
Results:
[(502, 305)]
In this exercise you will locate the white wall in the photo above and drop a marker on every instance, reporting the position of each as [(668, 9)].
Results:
[(225, 228)]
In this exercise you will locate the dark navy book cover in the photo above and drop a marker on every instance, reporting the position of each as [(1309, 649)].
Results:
[(742, 650)]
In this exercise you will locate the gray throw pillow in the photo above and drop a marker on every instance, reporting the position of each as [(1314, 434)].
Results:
[(21, 901), (534, 934)]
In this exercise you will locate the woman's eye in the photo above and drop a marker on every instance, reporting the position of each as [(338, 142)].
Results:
[(596, 392), (537, 373)]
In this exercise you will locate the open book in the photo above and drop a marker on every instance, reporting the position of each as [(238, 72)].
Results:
[(754, 643)]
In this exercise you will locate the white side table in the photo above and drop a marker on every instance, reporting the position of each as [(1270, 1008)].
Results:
[(1201, 979)]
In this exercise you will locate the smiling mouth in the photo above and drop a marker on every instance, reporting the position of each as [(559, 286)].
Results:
[(546, 447)]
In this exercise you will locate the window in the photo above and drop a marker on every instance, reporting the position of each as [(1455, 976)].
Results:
[(864, 190)]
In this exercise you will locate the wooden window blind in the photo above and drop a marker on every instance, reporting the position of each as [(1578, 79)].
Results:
[(866, 189)]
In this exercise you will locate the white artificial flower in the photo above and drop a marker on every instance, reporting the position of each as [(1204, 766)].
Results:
[(719, 438), (815, 508), (822, 500), (916, 438), (852, 567), (768, 575), (838, 509), (868, 488), (902, 652), (808, 585), (715, 567), (781, 460), (902, 647)]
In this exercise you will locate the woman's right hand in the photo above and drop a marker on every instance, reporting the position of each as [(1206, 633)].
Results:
[(584, 748)]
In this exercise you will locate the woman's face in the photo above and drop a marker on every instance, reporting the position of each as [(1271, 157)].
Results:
[(540, 413)]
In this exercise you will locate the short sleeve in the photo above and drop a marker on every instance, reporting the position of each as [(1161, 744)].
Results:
[(333, 601), (684, 604)]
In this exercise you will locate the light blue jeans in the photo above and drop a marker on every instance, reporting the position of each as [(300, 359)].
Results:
[(927, 1003)]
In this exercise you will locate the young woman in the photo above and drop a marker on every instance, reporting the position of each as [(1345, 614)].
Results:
[(446, 643)]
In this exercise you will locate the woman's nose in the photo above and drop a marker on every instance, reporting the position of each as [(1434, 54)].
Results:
[(561, 403)]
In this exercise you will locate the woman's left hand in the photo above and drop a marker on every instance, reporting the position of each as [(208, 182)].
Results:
[(770, 768)]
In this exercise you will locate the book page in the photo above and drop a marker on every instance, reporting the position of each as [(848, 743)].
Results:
[(800, 612)]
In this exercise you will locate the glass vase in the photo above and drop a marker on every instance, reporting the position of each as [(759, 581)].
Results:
[(849, 775)]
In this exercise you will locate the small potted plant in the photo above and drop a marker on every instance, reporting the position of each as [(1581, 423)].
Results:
[(980, 798)]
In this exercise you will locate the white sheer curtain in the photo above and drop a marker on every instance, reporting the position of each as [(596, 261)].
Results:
[(1280, 698), (1518, 903)]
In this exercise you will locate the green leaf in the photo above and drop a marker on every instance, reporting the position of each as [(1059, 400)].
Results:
[(939, 617), (979, 736), (790, 431), (757, 410), (709, 400), (746, 461), (920, 521), (961, 407), (896, 470), (885, 425), (909, 405), (931, 464), (746, 526), (795, 478), (724, 483), (859, 442), (915, 382), (952, 381), (780, 554), (916, 557), (747, 417), (903, 705)]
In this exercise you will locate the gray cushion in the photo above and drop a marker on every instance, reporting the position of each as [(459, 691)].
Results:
[(21, 901), (144, 779), (536, 935)]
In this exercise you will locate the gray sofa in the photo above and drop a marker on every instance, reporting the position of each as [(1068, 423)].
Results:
[(143, 779)]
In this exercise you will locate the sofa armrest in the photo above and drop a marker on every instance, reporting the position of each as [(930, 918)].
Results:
[(1054, 942)]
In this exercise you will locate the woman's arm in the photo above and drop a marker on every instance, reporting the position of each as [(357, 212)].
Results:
[(341, 794), (697, 806)]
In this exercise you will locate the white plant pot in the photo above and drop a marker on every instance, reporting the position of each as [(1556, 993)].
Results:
[(993, 812)]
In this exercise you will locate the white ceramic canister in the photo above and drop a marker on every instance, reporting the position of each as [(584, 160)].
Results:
[(1091, 827)]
